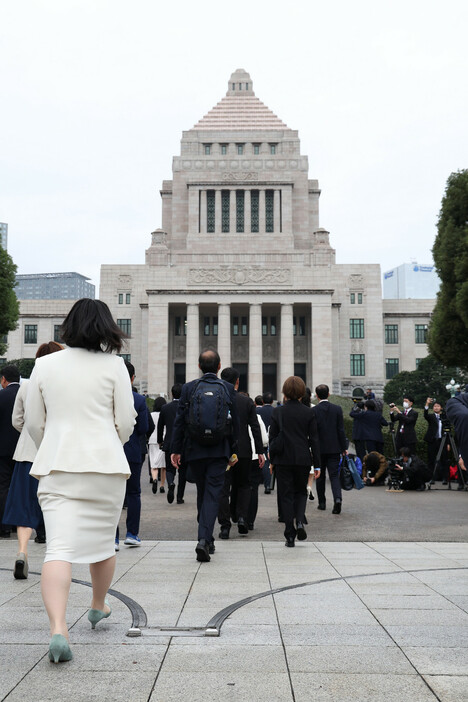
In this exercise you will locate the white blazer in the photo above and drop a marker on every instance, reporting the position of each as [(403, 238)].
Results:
[(25, 448), (80, 412)]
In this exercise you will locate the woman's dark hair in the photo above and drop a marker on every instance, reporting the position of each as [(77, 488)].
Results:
[(294, 388), (48, 348), (89, 325), (158, 404), (372, 460), (306, 400)]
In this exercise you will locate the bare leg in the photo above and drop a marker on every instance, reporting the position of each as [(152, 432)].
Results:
[(162, 473), (24, 534), (101, 577), (154, 473), (55, 587)]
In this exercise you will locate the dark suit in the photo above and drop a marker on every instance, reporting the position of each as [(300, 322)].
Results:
[(332, 440), (166, 421), (433, 437), (235, 496), (8, 440), (371, 424), (457, 412), (292, 465), (406, 433), (207, 463)]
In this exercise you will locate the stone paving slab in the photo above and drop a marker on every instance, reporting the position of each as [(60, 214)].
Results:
[(363, 628)]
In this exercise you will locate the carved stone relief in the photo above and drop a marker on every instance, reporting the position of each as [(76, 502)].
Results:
[(300, 349), (228, 276), (239, 350), (357, 346), (124, 281), (242, 175), (179, 351), (270, 350), (356, 280)]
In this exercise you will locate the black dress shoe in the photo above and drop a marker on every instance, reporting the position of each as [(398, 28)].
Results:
[(211, 547), (432, 482), (336, 508), (180, 500), (4, 534), (250, 526), (203, 551), (290, 542), (422, 487), (444, 482), (280, 519), (40, 539), (267, 491), (161, 489), (321, 505), (301, 532), (224, 533), (170, 493), (154, 487), (242, 526)]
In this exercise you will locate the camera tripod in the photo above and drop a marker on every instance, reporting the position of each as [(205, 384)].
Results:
[(447, 439)]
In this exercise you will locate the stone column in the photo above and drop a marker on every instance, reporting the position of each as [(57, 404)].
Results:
[(193, 342), (203, 217), (232, 212), (276, 211), (217, 211), (158, 339), (255, 351), (224, 335), (247, 216), (261, 211), (287, 209), (286, 344), (321, 341), (193, 210)]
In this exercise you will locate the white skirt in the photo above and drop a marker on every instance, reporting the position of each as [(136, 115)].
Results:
[(81, 512), (157, 458)]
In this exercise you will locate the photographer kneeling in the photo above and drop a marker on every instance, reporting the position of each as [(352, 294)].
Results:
[(374, 468), (411, 471)]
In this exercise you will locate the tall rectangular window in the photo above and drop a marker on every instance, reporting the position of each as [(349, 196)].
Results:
[(392, 367), (207, 149), (254, 211), (57, 333), (225, 210), (273, 149), (352, 298), (215, 326), (224, 149), (235, 326), (210, 211), (273, 326), (179, 373), (356, 329), (206, 326), (300, 370), (298, 326), (240, 149), (418, 361), (180, 326), (269, 212), (244, 326), (359, 298), (357, 364), (127, 298), (264, 326), (420, 333), (256, 149), (125, 325), (30, 333), (391, 333), (120, 298), (240, 197)]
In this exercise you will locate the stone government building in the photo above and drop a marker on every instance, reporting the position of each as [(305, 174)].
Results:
[(241, 264)]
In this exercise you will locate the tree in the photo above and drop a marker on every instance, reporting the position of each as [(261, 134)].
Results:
[(429, 380), (9, 306), (24, 365), (448, 330)]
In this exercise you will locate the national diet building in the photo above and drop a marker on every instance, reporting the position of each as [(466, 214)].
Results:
[(241, 264)]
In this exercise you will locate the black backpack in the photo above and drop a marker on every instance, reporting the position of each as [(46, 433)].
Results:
[(209, 413)]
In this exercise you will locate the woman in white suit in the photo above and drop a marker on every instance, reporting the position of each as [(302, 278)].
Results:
[(79, 413)]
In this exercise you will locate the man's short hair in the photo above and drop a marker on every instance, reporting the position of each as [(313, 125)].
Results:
[(230, 375), (294, 388), (410, 398), (268, 398), (405, 451), (131, 369), (209, 361), (322, 391), (259, 400), (10, 373), (176, 390), (370, 404)]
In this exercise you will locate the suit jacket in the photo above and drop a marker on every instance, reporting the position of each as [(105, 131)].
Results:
[(371, 424), (408, 422), (182, 443), (134, 446), (457, 412), (265, 412), (8, 434), (247, 418), (330, 427), (80, 412), (25, 448), (432, 428), (300, 434), (166, 421)]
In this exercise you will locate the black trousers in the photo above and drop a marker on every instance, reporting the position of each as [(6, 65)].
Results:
[(443, 468), (209, 478), (292, 488), (235, 495), (331, 462), (400, 442), (7, 465), (171, 472), (256, 477)]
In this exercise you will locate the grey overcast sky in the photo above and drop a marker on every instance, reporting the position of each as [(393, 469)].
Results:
[(95, 95)]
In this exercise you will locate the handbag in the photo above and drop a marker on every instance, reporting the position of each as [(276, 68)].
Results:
[(277, 444), (346, 477), (357, 480)]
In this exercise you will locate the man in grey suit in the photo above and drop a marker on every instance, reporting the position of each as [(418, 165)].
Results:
[(332, 439)]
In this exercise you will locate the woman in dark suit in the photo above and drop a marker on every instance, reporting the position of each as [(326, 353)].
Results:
[(298, 427)]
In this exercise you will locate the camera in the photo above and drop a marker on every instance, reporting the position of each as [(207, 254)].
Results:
[(396, 477)]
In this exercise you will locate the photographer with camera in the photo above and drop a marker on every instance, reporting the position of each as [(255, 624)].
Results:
[(409, 471), (437, 426), (374, 468), (406, 433)]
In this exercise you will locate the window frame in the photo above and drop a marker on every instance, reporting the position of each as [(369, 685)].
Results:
[(357, 365)]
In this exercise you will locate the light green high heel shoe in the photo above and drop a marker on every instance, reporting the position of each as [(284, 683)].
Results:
[(95, 615), (59, 650)]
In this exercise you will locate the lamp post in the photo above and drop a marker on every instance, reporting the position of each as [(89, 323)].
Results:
[(452, 388)]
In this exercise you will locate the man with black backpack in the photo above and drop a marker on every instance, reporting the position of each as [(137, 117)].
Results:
[(206, 432)]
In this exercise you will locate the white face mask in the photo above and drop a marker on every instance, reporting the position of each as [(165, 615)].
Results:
[(406, 405)]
